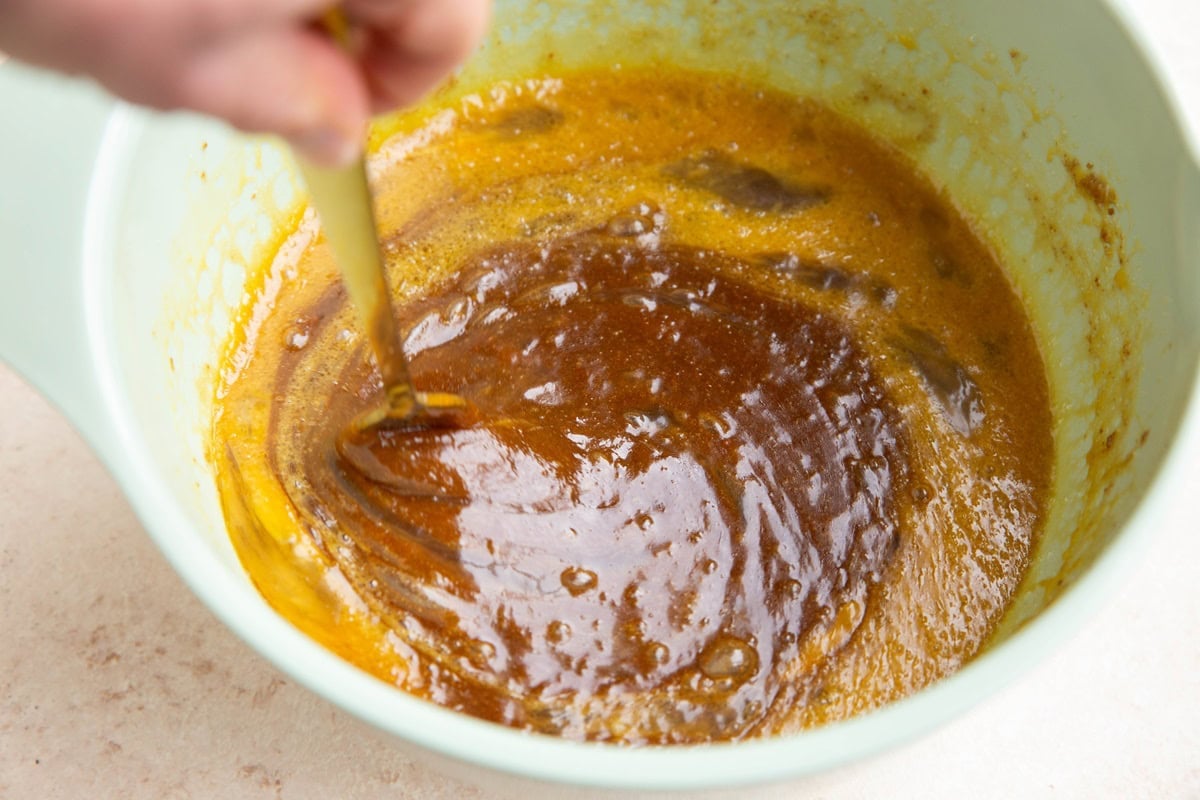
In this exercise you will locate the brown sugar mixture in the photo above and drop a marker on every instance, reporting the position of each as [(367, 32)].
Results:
[(761, 435)]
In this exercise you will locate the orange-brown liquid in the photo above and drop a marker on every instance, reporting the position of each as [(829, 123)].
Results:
[(760, 435)]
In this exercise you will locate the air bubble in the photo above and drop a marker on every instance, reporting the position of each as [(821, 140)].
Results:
[(558, 632), (624, 225), (658, 653), (577, 580), (728, 658), (297, 335)]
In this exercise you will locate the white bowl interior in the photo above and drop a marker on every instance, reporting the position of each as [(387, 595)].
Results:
[(1003, 105)]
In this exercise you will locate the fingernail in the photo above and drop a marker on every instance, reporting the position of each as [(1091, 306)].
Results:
[(328, 147)]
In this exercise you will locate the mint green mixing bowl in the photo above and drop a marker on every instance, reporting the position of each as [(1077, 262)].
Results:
[(134, 236)]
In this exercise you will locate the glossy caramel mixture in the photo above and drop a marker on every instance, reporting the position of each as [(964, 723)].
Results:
[(760, 435)]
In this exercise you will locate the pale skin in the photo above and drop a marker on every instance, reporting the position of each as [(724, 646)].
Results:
[(261, 65)]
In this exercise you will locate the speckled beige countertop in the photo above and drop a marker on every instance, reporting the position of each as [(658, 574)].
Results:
[(115, 682)]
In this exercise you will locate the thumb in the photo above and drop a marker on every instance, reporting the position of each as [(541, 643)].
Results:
[(288, 81)]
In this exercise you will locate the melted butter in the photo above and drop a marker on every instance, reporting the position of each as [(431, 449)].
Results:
[(762, 435)]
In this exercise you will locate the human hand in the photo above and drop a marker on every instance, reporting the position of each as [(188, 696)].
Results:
[(262, 65)]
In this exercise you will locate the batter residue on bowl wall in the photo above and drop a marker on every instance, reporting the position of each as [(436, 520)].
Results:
[(763, 436)]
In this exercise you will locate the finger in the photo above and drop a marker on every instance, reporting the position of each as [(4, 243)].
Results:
[(289, 81), (413, 44), (201, 21)]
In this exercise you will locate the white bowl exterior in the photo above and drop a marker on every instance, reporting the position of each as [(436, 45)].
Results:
[(180, 210)]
